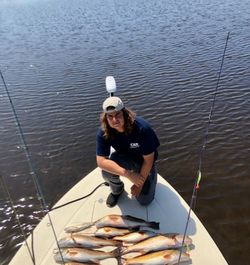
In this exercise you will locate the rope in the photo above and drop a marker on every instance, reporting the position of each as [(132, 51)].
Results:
[(198, 178), (81, 198)]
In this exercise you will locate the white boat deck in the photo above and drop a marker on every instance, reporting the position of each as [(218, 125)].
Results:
[(168, 208)]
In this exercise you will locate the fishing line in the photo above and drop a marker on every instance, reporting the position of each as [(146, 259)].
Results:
[(26, 149), (33, 173), (31, 252), (198, 178)]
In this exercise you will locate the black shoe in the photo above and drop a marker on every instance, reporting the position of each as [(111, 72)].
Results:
[(112, 199)]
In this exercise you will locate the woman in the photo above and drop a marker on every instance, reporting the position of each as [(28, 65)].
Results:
[(135, 144)]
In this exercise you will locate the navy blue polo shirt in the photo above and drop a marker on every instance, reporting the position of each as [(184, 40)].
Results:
[(141, 141)]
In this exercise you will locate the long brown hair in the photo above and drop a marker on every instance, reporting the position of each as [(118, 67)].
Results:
[(129, 118)]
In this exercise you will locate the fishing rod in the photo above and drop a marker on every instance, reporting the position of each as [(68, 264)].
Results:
[(111, 89), (40, 195), (199, 175), (31, 251), (26, 149)]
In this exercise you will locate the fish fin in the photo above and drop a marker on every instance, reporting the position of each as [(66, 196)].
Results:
[(116, 253), (122, 250), (117, 243), (125, 244), (132, 218), (172, 235), (154, 225), (77, 228), (134, 228), (121, 261), (56, 251), (90, 231)]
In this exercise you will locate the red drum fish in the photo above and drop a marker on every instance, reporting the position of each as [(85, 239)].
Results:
[(80, 263), (84, 255), (156, 243), (135, 237), (163, 257), (84, 241), (114, 220), (106, 232)]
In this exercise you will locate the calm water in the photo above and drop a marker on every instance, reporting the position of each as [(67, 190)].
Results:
[(165, 56)]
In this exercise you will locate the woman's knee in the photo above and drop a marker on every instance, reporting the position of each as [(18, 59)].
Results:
[(145, 200)]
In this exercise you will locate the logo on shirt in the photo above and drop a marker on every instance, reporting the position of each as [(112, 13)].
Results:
[(134, 145)]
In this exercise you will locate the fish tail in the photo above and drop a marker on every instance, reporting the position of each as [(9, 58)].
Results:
[(116, 253), (121, 261), (118, 243), (122, 250), (154, 225), (134, 228)]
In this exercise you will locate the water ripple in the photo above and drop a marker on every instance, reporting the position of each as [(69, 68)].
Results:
[(165, 58)]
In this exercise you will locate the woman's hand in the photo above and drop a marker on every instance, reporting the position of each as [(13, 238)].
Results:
[(138, 181), (136, 190), (134, 177)]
